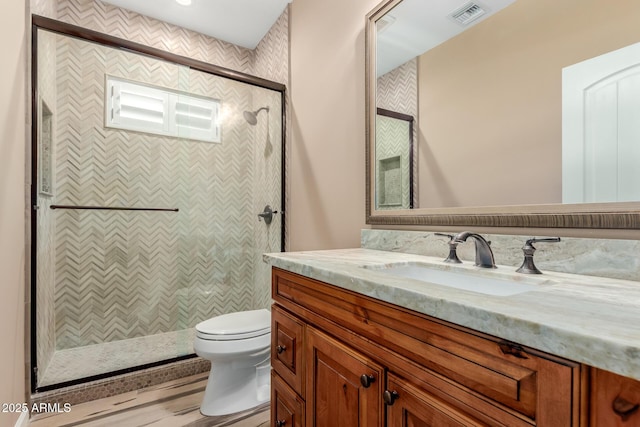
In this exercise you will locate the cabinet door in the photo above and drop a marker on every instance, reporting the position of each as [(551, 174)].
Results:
[(344, 388), (287, 335), (287, 409), (409, 406), (615, 400)]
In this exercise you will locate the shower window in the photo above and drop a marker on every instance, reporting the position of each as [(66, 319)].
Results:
[(139, 236), (153, 109)]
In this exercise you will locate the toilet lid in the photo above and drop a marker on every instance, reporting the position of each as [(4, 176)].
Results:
[(233, 326)]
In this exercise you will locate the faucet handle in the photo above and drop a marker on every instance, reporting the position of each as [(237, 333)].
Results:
[(453, 245), (450, 236), (528, 267), (533, 240)]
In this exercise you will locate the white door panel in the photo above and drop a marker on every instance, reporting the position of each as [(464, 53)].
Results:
[(601, 128)]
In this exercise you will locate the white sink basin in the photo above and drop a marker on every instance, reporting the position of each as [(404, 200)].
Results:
[(469, 281)]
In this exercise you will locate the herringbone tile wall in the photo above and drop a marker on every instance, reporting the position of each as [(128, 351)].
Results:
[(163, 301), (48, 8), (270, 58), (45, 242), (267, 186), (269, 61), (125, 24), (398, 91), (121, 275)]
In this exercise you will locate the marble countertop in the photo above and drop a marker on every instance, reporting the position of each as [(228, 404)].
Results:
[(592, 320)]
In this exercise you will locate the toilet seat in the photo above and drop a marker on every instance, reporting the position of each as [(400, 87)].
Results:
[(235, 326)]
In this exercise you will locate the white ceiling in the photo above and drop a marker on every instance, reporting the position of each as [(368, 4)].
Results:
[(420, 25), (241, 22)]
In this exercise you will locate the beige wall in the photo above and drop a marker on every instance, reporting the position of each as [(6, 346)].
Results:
[(13, 33), (508, 68), (326, 164)]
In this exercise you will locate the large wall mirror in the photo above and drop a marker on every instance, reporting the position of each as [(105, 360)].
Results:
[(526, 113)]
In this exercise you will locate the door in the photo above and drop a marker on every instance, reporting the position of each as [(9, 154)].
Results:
[(344, 388), (141, 232), (601, 128)]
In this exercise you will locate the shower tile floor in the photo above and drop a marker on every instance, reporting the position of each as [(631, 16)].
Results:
[(82, 362), (172, 404)]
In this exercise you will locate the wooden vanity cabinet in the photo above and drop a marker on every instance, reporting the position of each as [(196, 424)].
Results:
[(358, 361), (615, 400)]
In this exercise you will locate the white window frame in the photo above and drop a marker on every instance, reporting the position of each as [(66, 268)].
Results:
[(151, 109)]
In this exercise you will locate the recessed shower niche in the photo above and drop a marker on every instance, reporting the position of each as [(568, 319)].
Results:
[(390, 182), (139, 235)]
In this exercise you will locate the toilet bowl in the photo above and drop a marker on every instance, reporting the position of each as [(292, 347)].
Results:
[(238, 346)]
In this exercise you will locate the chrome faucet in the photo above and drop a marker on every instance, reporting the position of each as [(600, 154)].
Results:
[(484, 254)]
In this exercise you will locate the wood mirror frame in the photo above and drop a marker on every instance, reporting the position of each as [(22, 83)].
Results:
[(623, 215)]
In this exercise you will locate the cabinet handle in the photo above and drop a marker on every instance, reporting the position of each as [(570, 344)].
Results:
[(281, 423), (512, 349), (367, 380), (624, 408), (280, 349), (390, 397)]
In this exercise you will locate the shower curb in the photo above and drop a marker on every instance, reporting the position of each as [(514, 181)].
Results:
[(124, 383)]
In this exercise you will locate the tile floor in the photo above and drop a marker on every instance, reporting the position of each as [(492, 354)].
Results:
[(172, 404)]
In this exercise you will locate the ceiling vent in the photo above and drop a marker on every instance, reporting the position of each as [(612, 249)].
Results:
[(384, 23), (467, 13)]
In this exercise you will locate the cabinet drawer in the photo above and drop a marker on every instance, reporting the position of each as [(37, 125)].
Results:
[(523, 381), (287, 348), (287, 408), (615, 400), (414, 407)]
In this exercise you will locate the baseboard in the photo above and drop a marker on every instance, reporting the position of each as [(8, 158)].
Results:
[(23, 420)]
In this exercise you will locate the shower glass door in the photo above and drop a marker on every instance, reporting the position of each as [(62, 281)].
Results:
[(148, 178)]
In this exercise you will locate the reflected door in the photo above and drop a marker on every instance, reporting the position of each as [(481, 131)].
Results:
[(601, 128)]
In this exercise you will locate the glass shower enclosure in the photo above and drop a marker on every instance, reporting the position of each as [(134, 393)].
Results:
[(149, 172)]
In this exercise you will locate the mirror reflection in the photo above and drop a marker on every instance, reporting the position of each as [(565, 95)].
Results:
[(527, 102), (394, 160)]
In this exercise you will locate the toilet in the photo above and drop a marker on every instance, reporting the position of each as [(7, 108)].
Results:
[(238, 346)]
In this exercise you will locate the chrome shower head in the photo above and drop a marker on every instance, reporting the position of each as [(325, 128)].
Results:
[(252, 116)]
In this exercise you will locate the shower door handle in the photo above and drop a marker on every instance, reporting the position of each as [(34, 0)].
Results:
[(267, 214)]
